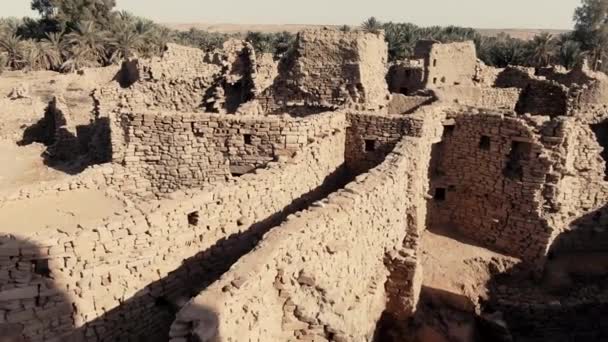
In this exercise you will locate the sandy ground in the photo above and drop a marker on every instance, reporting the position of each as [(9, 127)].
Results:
[(23, 166), (62, 210), (454, 265), (41, 86)]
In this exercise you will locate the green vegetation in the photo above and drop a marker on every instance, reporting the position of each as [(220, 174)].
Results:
[(589, 39), (72, 34), (499, 51)]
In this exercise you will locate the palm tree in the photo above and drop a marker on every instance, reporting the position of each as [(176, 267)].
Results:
[(507, 51), (54, 47), (3, 61), (159, 38), (126, 44), (542, 50), (401, 39), (9, 26), (12, 47), (569, 53), (88, 46), (372, 25), (34, 56)]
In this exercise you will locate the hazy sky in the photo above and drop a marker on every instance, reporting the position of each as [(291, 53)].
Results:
[(474, 13)]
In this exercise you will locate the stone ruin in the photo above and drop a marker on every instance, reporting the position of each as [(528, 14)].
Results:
[(285, 200)]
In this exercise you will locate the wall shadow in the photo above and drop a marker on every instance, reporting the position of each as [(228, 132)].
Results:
[(440, 316), (67, 151), (148, 315), (34, 306), (569, 301)]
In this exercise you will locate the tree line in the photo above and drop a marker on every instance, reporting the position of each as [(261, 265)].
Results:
[(73, 34), (589, 39)]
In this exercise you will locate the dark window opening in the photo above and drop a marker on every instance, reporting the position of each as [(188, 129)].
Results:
[(439, 194), (193, 218), (41, 267), (434, 62), (370, 145), (448, 130), (443, 79), (162, 302), (484, 142), (434, 80), (247, 138), (601, 136), (456, 83), (404, 90), (520, 152)]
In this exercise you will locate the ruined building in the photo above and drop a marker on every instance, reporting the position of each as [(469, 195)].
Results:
[(247, 199)]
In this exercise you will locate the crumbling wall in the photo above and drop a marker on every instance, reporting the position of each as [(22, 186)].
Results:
[(582, 219), (329, 68), (406, 77), (370, 138), (176, 81), (402, 104), (300, 281), (267, 70), (492, 179), (543, 98), (514, 77), (483, 97), (447, 64), (236, 85), (179, 151), (113, 281)]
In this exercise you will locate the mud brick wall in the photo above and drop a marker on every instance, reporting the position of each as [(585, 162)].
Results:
[(112, 282), (370, 138), (321, 263), (582, 221), (484, 97), (533, 317), (543, 98), (329, 68), (492, 180), (406, 77), (176, 151), (402, 104), (448, 64)]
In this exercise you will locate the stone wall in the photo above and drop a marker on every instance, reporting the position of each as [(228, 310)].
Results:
[(178, 151), (329, 68), (543, 98), (406, 77), (582, 219), (491, 180), (533, 317), (321, 275), (402, 104), (370, 137), (447, 64), (114, 281), (483, 97)]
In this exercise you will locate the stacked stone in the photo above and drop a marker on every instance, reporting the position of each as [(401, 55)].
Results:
[(493, 171), (370, 138), (101, 282), (331, 68), (321, 263), (178, 151)]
